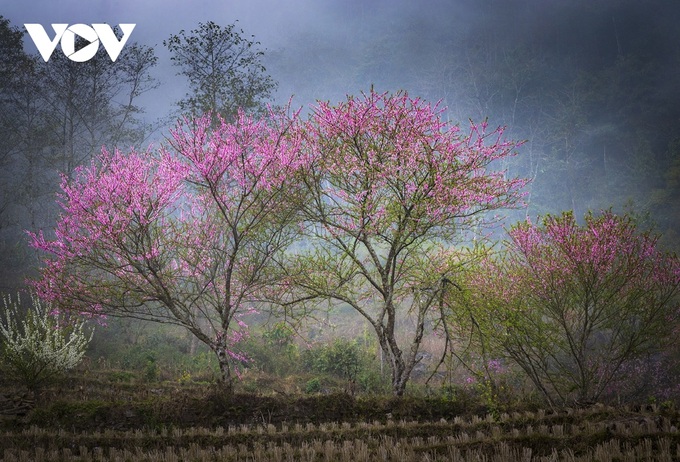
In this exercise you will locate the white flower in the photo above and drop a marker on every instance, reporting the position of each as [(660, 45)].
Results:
[(42, 345)]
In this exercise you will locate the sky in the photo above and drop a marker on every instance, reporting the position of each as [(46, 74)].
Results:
[(270, 21), (593, 86), (284, 27), (471, 54), (278, 26)]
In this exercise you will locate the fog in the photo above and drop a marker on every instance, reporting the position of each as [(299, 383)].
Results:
[(593, 87)]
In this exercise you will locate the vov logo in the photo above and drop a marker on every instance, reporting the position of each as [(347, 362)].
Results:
[(67, 36)]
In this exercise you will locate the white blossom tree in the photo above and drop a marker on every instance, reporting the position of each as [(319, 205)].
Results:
[(42, 345)]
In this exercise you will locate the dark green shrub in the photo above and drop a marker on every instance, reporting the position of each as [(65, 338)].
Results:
[(313, 386), (369, 380), (342, 358), (151, 370)]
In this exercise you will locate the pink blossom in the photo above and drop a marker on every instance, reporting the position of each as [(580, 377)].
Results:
[(185, 234), (574, 303)]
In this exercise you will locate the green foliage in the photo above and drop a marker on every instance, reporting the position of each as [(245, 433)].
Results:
[(152, 352), (274, 351), (574, 306), (489, 395), (121, 376), (42, 345), (280, 335), (341, 358), (369, 380), (151, 369), (281, 338), (184, 378), (313, 386)]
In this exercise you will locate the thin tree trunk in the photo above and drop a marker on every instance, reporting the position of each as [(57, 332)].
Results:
[(226, 378)]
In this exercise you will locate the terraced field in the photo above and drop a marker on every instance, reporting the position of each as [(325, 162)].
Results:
[(595, 434)]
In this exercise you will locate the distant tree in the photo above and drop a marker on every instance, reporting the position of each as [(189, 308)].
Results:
[(186, 238), (572, 304), (23, 139), (14, 65), (665, 199), (391, 189), (224, 69), (54, 116), (93, 104), (342, 358)]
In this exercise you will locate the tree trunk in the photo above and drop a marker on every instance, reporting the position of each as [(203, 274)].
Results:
[(401, 362), (226, 378), (400, 369)]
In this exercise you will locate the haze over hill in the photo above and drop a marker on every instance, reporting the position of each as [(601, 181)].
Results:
[(592, 86)]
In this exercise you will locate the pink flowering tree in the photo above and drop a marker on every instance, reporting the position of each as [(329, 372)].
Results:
[(573, 304), (391, 189), (185, 235)]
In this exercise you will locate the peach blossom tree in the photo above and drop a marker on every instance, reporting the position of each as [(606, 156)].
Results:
[(573, 304), (183, 235), (391, 188)]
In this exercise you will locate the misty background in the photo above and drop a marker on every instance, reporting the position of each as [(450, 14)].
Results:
[(592, 86)]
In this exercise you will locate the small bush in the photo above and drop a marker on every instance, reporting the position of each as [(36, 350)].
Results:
[(42, 345), (313, 386), (341, 358)]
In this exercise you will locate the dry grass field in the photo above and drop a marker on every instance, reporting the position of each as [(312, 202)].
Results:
[(130, 422)]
